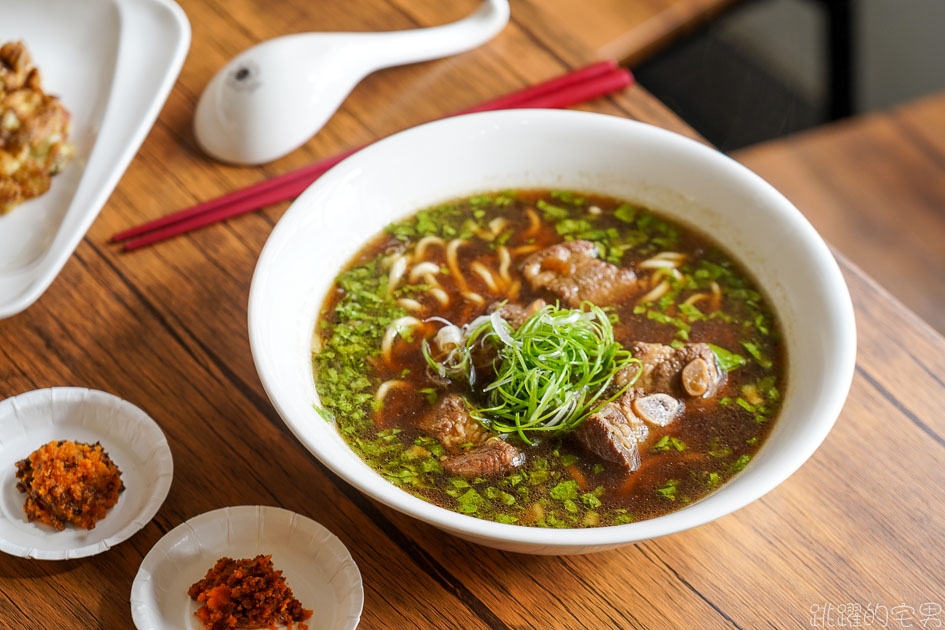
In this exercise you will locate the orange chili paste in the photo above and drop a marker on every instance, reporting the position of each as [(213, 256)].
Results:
[(246, 593), (68, 482)]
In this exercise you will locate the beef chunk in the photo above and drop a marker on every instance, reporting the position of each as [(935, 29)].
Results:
[(615, 432), (473, 451), (625, 405), (572, 271), (451, 424), (691, 370), (609, 435), (494, 457)]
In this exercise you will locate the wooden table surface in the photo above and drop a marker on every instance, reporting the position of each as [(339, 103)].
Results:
[(859, 525), (874, 186)]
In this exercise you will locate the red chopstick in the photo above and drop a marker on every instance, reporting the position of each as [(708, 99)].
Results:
[(576, 87), (507, 101), (510, 101)]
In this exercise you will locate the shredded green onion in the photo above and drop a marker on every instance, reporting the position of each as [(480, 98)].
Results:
[(551, 373)]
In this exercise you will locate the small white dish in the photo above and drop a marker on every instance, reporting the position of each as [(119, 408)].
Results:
[(131, 438), (112, 63), (315, 563)]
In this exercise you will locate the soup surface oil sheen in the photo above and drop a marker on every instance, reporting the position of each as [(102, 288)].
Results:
[(388, 353)]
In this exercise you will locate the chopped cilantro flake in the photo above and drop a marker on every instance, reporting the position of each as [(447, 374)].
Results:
[(565, 490), (669, 489), (728, 361), (740, 463)]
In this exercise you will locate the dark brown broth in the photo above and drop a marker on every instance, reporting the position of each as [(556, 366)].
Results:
[(718, 437)]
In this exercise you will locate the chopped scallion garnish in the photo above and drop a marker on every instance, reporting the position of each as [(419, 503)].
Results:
[(551, 373)]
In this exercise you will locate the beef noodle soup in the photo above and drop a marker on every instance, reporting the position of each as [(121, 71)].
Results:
[(549, 359)]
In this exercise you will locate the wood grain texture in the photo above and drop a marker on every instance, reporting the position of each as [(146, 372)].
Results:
[(166, 329), (873, 186)]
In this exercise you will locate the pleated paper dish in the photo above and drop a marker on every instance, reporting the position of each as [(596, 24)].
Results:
[(131, 438), (315, 563)]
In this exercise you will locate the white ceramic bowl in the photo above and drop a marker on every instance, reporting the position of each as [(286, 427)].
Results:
[(568, 150)]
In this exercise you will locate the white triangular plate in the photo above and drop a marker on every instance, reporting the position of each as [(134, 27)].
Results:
[(112, 62)]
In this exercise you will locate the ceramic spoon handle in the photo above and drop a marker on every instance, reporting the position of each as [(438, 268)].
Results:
[(395, 48), (273, 97)]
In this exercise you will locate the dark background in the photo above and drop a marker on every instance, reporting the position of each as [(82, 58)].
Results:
[(767, 68)]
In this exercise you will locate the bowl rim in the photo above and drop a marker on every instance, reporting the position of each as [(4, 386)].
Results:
[(802, 447)]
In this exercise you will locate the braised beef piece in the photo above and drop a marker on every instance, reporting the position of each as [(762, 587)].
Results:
[(609, 435), (451, 424), (572, 271), (615, 432), (691, 370), (473, 451), (493, 457)]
